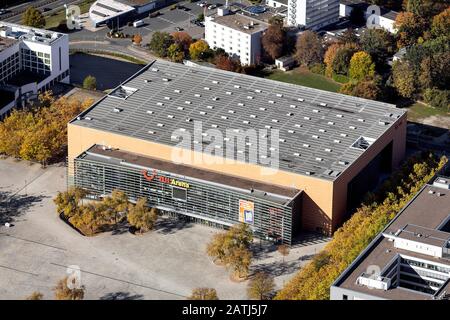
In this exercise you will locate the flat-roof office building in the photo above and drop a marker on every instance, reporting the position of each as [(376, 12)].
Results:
[(329, 148), (31, 60), (410, 259)]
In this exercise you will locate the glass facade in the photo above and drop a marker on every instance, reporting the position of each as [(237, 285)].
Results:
[(9, 67), (218, 204), (35, 61)]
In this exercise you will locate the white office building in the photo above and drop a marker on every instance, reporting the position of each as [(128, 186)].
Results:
[(31, 60), (312, 14), (237, 34)]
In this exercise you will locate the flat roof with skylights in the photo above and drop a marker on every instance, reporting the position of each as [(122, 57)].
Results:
[(320, 133)]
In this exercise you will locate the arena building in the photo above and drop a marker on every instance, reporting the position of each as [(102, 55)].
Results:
[(326, 149)]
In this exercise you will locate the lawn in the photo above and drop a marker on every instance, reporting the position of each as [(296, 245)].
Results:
[(53, 20), (305, 78), (419, 111)]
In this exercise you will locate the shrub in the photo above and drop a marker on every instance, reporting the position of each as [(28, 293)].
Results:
[(318, 68), (437, 98), (63, 292), (90, 83)]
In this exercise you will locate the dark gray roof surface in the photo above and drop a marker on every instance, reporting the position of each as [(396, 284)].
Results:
[(316, 128)]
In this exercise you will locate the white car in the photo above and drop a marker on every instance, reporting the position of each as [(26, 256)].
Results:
[(202, 4), (213, 6)]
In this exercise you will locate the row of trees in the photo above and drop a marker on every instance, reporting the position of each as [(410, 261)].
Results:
[(314, 280), (178, 46), (361, 62), (95, 217), (232, 249), (40, 134)]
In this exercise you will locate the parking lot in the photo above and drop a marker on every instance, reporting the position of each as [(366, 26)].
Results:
[(166, 263), (168, 21)]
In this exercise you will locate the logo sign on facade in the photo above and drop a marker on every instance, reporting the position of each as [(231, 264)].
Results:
[(246, 211), (163, 179)]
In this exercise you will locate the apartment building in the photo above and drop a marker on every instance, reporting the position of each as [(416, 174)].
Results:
[(312, 14), (31, 60), (239, 35)]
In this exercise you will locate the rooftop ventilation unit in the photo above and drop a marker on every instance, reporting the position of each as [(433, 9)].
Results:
[(123, 92), (197, 95), (309, 173), (180, 108), (323, 104), (343, 162), (167, 98), (331, 123), (117, 110), (250, 97), (262, 109), (150, 112), (300, 99), (258, 90), (307, 118), (177, 91), (322, 130), (362, 143), (207, 88), (165, 79)]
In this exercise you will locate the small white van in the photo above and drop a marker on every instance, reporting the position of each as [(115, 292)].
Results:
[(138, 23)]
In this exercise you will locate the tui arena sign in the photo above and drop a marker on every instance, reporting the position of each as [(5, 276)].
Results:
[(163, 179)]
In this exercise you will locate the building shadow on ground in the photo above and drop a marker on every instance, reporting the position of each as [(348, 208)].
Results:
[(13, 206), (122, 296)]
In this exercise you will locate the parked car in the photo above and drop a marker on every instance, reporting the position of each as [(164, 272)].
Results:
[(46, 9), (212, 6), (179, 29), (154, 14), (138, 23)]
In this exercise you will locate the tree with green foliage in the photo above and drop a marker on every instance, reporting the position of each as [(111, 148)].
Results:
[(441, 24), (341, 61), (175, 53), (437, 98), (204, 294), (141, 216), (32, 17), (261, 286), (309, 49), (90, 83), (199, 50), (361, 66), (379, 43), (160, 43), (404, 79)]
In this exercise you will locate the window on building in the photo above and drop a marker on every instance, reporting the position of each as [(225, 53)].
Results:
[(179, 194)]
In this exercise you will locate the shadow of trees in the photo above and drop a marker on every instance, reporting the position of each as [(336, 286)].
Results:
[(120, 295), (276, 268), (169, 225), (13, 206)]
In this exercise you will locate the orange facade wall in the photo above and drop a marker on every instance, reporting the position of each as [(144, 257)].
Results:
[(324, 202)]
